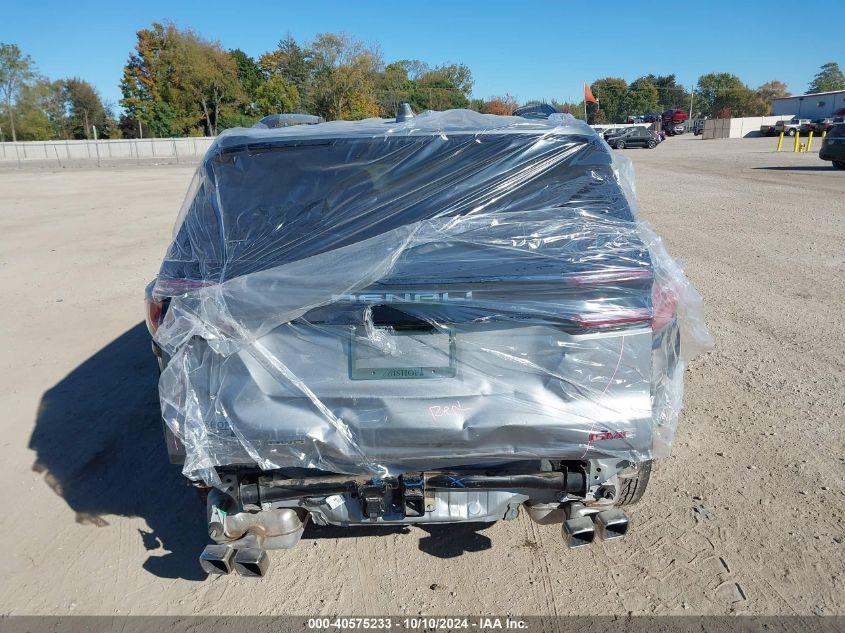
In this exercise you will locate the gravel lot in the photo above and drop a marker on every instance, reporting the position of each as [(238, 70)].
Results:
[(746, 517)]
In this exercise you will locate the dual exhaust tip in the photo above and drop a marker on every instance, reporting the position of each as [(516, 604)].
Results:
[(579, 530), (582, 527), (251, 562)]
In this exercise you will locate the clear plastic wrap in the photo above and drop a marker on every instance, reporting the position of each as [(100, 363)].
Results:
[(457, 289)]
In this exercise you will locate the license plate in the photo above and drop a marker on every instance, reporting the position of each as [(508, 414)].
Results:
[(390, 354)]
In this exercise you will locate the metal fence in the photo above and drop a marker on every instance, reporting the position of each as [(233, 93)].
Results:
[(106, 150)]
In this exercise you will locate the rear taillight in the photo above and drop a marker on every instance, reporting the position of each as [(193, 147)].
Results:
[(613, 317), (155, 314), (664, 302), (159, 293)]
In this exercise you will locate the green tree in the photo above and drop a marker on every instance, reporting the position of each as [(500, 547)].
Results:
[(642, 97), (276, 95), (575, 109), (84, 109), (476, 104), (829, 78), (344, 79), (441, 88), (295, 64), (147, 84), (718, 94), (39, 111), (670, 95), (610, 92), (459, 76), (176, 82), (414, 68), (250, 78), (207, 78), (393, 87), (16, 71)]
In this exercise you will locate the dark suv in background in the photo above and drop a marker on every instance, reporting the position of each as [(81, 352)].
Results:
[(633, 137), (833, 148)]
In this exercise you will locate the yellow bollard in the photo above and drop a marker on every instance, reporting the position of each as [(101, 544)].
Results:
[(809, 141), (823, 135), (797, 141), (780, 141)]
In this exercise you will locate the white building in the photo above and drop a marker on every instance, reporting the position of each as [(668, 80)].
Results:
[(812, 106)]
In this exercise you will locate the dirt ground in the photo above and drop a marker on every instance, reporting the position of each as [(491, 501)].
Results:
[(745, 517)]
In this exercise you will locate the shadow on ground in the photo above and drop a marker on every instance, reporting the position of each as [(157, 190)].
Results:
[(442, 541), (799, 168), (99, 445), (98, 442)]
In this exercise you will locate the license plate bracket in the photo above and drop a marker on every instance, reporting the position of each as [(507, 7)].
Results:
[(436, 349)]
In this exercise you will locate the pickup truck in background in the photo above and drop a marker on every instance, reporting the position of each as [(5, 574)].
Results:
[(674, 122), (790, 127)]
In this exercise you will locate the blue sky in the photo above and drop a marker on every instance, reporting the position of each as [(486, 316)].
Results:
[(531, 50)]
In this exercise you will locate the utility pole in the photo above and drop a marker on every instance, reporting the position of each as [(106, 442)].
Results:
[(691, 95), (140, 130)]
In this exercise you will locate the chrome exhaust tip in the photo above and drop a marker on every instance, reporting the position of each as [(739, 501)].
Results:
[(578, 532), (217, 559), (611, 524), (252, 562)]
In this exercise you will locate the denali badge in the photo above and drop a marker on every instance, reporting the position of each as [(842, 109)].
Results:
[(405, 297)]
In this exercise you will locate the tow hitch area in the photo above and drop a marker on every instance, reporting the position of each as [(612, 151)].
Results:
[(260, 512)]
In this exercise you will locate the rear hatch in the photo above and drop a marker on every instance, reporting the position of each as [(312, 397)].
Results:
[(522, 333)]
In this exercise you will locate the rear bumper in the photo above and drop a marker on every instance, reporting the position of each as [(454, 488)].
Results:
[(561, 396)]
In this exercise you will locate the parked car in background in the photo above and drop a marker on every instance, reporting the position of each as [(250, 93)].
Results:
[(614, 131), (824, 125), (833, 148), (790, 127), (809, 126), (674, 122), (767, 130), (634, 137)]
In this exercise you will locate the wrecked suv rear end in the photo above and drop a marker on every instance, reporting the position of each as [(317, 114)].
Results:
[(442, 319)]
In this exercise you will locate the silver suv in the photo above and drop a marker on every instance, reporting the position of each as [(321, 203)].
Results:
[(442, 319)]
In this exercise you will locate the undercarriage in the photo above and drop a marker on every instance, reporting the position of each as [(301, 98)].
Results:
[(257, 511)]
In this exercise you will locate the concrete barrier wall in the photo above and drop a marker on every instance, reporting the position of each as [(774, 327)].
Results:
[(743, 127), (170, 149)]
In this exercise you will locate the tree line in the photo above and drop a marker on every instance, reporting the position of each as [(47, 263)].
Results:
[(178, 83), (716, 95)]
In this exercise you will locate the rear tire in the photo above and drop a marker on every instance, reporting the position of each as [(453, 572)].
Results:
[(839, 164), (633, 488), (652, 144), (620, 144)]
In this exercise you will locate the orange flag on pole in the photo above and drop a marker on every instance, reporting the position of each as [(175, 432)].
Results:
[(588, 95)]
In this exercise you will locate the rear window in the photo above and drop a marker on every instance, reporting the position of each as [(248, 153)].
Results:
[(291, 199)]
